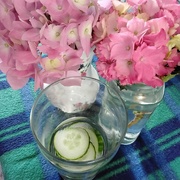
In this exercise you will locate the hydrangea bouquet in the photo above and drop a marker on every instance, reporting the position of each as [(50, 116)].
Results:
[(138, 41), (45, 40)]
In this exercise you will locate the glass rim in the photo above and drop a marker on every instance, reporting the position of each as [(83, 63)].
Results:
[(72, 162)]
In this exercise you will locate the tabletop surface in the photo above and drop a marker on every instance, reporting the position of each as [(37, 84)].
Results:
[(154, 155)]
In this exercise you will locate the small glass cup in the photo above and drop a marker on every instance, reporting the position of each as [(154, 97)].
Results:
[(79, 100)]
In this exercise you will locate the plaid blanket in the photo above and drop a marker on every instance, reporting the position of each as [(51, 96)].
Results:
[(154, 155)]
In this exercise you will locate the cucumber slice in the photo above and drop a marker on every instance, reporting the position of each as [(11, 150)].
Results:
[(100, 145), (90, 154), (71, 143), (93, 137), (74, 120), (82, 125)]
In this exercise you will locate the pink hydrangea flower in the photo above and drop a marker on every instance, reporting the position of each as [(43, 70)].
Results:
[(137, 41), (32, 29)]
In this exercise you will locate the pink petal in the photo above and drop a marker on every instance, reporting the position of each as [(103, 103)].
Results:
[(154, 82), (55, 7), (4, 67), (145, 54), (20, 7), (85, 31), (18, 79), (80, 4), (7, 16), (18, 29), (69, 34), (5, 50), (172, 6), (106, 4), (151, 7), (31, 1), (53, 32), (143, 57), (50, 50), (15, 82), (25, 57), (99, 31), (111, 23), (137, 26), (31, 35), (142, 69), (157, 24), (158, 40), (35, 23), (37, 83), (122, 45), (124, 66), (33, 47), (136, 2)]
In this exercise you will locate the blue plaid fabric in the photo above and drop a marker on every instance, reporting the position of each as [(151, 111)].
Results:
[(155, 155)]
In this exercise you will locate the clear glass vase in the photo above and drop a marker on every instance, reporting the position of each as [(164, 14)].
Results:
[(140, 101)]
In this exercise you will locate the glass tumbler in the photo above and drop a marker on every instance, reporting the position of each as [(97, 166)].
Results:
[(78, 112)]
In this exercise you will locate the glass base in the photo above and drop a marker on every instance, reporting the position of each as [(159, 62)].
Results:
[(130, 138), (76, 177)]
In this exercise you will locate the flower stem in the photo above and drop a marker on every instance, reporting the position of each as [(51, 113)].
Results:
[(137, 118)]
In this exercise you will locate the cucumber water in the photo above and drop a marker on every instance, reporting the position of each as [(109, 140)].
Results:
[(78, 139)]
